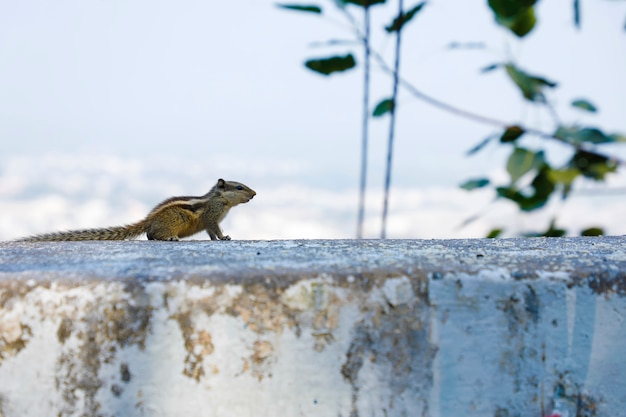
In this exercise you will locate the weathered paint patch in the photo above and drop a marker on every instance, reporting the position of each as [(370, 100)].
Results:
[(100, 328)]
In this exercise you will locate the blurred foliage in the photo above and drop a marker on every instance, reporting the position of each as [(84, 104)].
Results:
[(327, 66), (584, 105), (533, 181), (516, 15), (511, 134), (383, 107), (494, 233), (531, 86), (362, 3), (404, 18), (470, 185), (592, 231), (301, 8)]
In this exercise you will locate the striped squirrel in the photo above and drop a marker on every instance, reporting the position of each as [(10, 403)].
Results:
[(173, 219)]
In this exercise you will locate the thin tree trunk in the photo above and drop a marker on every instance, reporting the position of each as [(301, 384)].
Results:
[(392, 125), (365, 128)]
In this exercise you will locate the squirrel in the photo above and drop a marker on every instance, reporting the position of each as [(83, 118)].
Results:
[(173, 219)]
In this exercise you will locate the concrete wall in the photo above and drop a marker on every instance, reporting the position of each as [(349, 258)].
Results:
[(498, 328)]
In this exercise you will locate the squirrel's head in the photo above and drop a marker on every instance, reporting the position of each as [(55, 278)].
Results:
[(235, 192)]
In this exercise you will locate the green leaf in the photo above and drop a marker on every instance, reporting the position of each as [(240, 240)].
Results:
[(584, 105), (311, 8), (475, 183), (511, 134), (574, 134), (592, 165), (516, 15), (542, 186), (591, 135), (578, 135), (592, 231), (494, 233), (510, 7), (385, 106), (521, 24), (531, 86), (481, 145), (563, 176), (542, 189), (525, 203), (523, 161), (327, 66), (362, 3), (490, 68), (404, 18), (554, 231), (617, 137)]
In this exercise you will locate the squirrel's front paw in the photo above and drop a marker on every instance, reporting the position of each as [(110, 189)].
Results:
[(226, 237)]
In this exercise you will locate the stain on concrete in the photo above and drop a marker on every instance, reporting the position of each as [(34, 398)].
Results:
[(127, 321), (198, 344), (395, 338), (608, 282), (571, 398), (531, 304), (117, 390), (14, 336), (102, 327), (360, 346), (262, 359), (520, 310), (11, 290), (125, 374), (520, 348), (262, 309), (65, 329)]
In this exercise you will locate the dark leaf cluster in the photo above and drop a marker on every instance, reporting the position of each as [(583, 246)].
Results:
[(546, 179), (327, 66), (404, 18), (516, 15), (301, 8), (531, 86)]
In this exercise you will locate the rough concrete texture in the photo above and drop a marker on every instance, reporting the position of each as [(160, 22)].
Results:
[(502, 328)]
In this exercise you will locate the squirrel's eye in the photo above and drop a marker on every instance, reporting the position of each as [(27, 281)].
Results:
[(239, 187)]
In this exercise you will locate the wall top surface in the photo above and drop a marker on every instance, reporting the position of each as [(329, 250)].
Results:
[(600, 259)]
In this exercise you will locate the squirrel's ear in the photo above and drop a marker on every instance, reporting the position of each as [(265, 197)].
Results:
[(221, 183)]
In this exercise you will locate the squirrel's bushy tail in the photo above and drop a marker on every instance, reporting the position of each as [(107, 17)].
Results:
[(108, 233)]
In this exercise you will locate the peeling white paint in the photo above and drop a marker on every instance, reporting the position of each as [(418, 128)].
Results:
[(555, 275), (398, 291)]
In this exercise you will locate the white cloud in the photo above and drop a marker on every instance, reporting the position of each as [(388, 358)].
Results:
[(44, 194)]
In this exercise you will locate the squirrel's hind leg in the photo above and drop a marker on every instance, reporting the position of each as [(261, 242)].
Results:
[(158, 236)]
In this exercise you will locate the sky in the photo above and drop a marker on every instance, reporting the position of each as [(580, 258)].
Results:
[(107, 107)]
